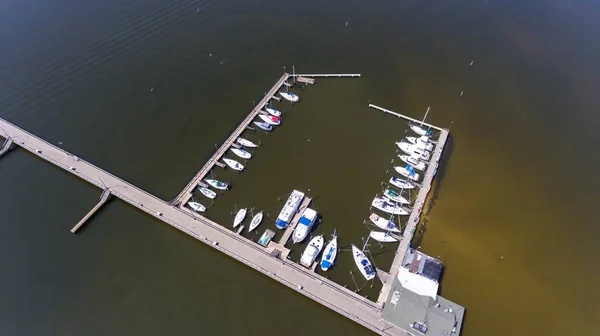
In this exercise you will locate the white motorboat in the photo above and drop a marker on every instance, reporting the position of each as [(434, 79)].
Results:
[(411, 149), (305, 224), (311, 252), (239, 217), (289, 209), (408, 171), (419, 129), (363, 263), (400, 183), (255, 221), (423, 141), (273, 111), (246, 143), (269, 119), (395, 196), (207, 192), (414, 161), (289, 96), (329, 253), (263, 126), (197, 206), (241, 153), (217, 184), (386, 205), (234, 164), (383, 223), (383, 237)]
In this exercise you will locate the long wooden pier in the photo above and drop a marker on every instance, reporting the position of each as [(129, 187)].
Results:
[(103, 198), (305, 282), (186, 193), (339, 75), (413, 219)]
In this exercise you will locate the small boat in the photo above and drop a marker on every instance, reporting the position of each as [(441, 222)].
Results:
[(419, 129), (385, 205), (423, 141), (239, 217), (255, 221), (414, 161), (383, 237), (266, 237), (411, 149), (382, 223), (240, 229), (363, 263), (308, 219), (393, 195), (408, 171), (263, 126), (241, 153), (269, 119), (289, 209), (329, 253), (207, 192), (246, 143), (400, 183), (273, 111), (234, 164), (289, 96), (311, 252), (217, 184), (197, 206)]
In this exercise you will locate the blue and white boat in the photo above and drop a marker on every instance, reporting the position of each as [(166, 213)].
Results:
[(263, 126), (400, 183), (308, 219), (311, 252), (408, 171), (363, 263), (289, 96), (329, 253), (289, 209), (273, 111), (419, 129)]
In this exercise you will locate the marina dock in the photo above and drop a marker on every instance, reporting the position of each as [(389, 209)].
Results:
[(103, 198), (6, 146), (290, 229)]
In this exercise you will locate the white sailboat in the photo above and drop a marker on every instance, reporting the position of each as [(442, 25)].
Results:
[(383, 237), (197, 206), (263, 126), (411, 149), (207, 192), (383, 223), (289, 96), (311, 252), (234, 164), (408, 171), (385, 205), (418, 127), (414, 161), (362, 262), (217, 184), (395, 196), (255, 221), (305, 224), (329, 253), (400, 183), (241, 153), (246, 143), (239, 217), (422, 141), (273, 111), (269, 119)]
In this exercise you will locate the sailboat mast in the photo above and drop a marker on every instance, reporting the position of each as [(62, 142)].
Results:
[(366, 241), (294, 73), (425, 117)]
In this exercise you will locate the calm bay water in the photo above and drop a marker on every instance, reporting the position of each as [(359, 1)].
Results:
[(145, 89)]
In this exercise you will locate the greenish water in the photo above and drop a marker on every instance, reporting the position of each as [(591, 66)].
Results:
[(145, 89)]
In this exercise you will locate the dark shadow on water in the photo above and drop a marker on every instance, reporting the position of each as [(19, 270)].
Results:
[(441, 172)]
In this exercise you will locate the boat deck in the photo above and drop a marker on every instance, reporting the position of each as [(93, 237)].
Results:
[(290, 229)]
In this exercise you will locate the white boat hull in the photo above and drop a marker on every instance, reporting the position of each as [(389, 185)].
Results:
[(217, 184), (246, 143), (234, 164), (197, 206), (383, 237), (419, 129), (311, 252), (207, 192), (273, 111), (411, 149), (404, 172), (392, 195), (289, 96), (415, 163), (363, 263), (255, 221), (329, 254), (263, 126), (400, 183), (271, 120), (385, 206), (426, 144), (383, 223), (241, 153), (239, 217)]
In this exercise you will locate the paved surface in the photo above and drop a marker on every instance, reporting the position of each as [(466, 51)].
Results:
[(6, 146), (303, 281)]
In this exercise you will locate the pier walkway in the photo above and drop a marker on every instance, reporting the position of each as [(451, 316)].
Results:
[(186, 193), (414, 218), (6, 146), (103, 198), (305, 282)]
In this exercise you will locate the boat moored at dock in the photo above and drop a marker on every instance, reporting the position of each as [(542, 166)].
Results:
[(207, 192), (400, 183), (217, 184), (363, 263), (305, 224), (311, 252), (255, 221), (239, 217), (383, 223), (273, 111), (422, 141), (234, 164), (382, 237), (246, 143), (419, 129), (269, 119), (197, 206), (408, 171), (241, 153), (395, 196), (330, 253), (386, 205), (414, 161), (290, 96), (411, 149), (263, 126), (289, 209)]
